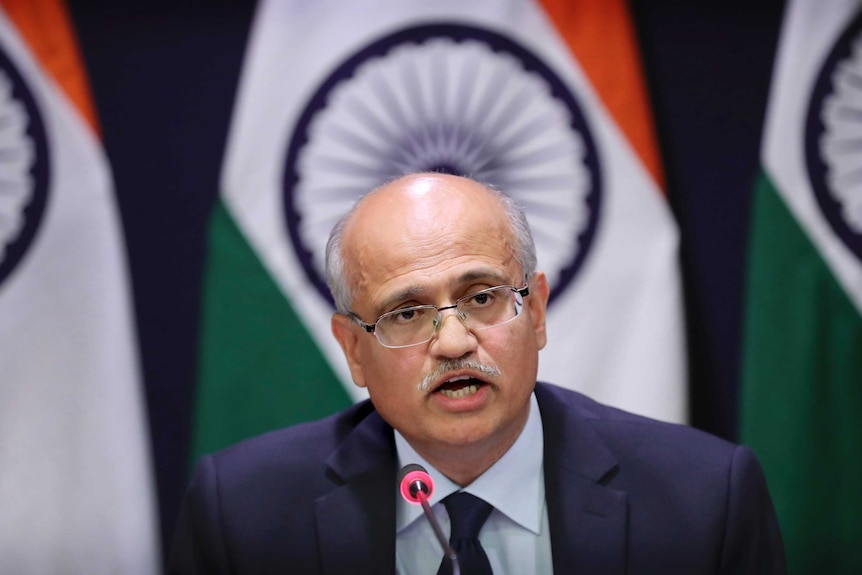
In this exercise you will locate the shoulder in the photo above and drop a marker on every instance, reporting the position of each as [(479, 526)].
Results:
[(679, 483), (618, 426), (291, 454), (642, 448), (257, 498)]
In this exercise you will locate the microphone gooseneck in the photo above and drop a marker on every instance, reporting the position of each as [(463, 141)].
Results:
[(416, 487)]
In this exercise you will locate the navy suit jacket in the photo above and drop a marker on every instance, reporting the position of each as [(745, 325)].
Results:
[(625, 494)]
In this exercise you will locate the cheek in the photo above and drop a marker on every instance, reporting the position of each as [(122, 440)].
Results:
[(392, 384), (515, 350), (393, 374)]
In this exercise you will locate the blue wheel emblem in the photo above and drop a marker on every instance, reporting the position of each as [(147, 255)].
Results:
[(23, 168), (833, 138), (448, 98)]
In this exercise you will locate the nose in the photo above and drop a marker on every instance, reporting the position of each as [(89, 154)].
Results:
[(453, 338)]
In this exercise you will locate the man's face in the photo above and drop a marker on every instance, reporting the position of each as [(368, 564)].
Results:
[(431, 240)]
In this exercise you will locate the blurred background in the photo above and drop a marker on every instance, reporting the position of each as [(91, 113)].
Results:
[(164, 78)]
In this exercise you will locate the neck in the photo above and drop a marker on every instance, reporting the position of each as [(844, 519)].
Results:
[(463, 463), (464, 468)]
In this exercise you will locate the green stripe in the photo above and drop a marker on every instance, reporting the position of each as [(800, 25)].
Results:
[(802, 391), (259, 368)]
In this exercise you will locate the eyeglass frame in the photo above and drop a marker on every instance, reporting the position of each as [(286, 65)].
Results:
[(372, 327)]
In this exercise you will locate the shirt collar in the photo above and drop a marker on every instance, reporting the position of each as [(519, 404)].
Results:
[(519, 472)]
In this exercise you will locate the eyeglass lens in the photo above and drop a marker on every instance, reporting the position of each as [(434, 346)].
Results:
[(481, 310)]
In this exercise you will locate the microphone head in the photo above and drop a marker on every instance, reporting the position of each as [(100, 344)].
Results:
[(411, 480)]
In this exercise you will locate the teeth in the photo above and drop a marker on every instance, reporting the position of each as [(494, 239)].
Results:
[(463, 392)]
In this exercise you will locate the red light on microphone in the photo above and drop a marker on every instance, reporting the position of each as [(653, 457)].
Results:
[(415, 480)]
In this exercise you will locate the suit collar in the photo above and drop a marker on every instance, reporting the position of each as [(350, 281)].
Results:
[(355, 521), (587, 517)]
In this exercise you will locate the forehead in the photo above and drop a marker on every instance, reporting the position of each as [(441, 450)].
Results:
[(425, 232)]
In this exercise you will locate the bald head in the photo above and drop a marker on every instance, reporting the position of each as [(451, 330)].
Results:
[(419, 207)]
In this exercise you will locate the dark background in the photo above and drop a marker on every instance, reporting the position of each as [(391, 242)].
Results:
[(164, 75)]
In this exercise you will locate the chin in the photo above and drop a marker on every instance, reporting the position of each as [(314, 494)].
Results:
[(470, 435)]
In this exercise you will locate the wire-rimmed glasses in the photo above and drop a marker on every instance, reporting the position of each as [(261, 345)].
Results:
[(417, 324)]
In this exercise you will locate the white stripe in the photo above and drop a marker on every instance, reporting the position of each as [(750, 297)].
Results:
[(626, 348), (810, 29), (75, 485)]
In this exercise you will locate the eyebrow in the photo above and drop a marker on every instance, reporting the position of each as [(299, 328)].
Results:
[(406, 294), (415, 292)]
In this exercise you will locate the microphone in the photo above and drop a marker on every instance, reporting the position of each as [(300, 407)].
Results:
[(416, 487)]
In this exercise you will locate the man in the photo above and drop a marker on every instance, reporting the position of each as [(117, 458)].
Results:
[(441, 316)]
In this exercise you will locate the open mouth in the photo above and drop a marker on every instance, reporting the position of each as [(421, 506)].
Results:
[(460, 386)]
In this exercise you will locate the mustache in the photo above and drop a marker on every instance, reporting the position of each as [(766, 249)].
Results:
[(450, 365)]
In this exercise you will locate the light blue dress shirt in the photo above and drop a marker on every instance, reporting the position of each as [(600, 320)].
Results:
[(515, 536)]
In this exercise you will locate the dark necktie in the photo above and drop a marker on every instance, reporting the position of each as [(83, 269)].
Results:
[(467, 514)]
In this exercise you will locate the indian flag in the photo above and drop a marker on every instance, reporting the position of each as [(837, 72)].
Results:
[(544, 100), (802, 395), (76, 495)]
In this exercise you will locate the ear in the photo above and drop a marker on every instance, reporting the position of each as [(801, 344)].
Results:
[(344, 330), (537, 302)]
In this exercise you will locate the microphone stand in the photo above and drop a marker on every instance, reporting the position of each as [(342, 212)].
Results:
[(447, 549), (415, 486)]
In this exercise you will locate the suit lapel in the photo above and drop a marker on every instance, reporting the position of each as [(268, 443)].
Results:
[(588, 518), (355, 522)]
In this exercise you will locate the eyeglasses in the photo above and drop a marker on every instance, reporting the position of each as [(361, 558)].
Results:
[(417, 324)]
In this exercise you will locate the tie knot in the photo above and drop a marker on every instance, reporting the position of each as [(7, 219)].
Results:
[(467, 514)]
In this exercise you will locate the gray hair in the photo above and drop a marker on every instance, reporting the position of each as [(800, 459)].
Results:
[(336, 274)]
